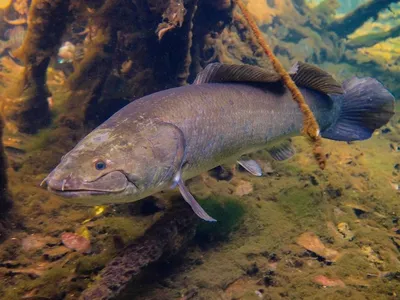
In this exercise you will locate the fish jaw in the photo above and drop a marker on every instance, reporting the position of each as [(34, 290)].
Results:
[(113, 183)]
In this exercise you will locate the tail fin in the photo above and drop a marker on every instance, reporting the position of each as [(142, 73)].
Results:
[(365, 106)]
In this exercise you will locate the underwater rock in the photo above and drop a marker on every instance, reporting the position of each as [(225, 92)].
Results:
[(35, 242), (269, 279), (333, 192), (29, 271), (311, 242), (252, 270), (266, 167), (360, 211), (221, 173), (395, 186), (372, 256), (165, 238), (344, 229), (328, 282), (243, 188), (394, 147), (55, 253), (76, 242)]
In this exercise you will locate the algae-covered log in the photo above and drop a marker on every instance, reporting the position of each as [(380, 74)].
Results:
[(87, 82), (372, 39), (355, 19), (47, 21), (5, 201), (207, 28), (165, 238), (4, 196), (143, 45)]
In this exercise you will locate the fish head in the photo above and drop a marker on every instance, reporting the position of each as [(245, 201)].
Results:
[(107, 167)]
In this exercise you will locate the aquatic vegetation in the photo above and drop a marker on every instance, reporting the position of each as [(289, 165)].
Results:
[(131, 49), (228, 211)]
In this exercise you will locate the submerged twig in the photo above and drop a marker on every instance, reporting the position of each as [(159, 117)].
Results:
[(311, 127), (169, 235)]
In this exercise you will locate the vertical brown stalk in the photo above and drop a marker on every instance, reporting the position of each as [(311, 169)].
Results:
[(310, 127)]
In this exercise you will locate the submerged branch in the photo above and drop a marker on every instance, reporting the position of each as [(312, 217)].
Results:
[(165, 238), (355, 19), (5, 200), (372, 39), (4, 195)]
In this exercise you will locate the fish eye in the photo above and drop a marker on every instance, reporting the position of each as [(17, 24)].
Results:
[(100, 165)]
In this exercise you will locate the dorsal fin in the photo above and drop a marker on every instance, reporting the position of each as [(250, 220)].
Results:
[(217, 73), (312, 77)]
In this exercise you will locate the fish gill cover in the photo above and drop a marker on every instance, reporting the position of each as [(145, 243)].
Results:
[(288, 232)]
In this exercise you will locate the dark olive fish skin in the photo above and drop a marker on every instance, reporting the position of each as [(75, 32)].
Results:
[(220, 121), (216, 122), (160, 140)]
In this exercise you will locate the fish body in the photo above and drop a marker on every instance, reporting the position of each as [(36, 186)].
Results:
[(219, 121), (165, 138)]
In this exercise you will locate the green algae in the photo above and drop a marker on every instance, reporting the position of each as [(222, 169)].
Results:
[(40, 141), (89, 264), (126, 228), (353, 264), (229, 213), (52, 282)]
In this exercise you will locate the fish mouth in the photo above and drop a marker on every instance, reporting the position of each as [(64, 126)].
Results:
[(112, 183), (79, 192)]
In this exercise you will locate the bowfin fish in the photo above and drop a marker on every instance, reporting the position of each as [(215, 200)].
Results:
[(161, 140)]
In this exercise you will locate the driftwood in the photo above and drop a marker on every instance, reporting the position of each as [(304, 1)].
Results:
[(372, 39), (5, 200), (4, 196), (164, 239), (355, 19)]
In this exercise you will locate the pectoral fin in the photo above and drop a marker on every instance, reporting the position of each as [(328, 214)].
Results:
[(251, 166), (197, 209)]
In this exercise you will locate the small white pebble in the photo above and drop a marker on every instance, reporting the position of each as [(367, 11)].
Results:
[(259, 294)]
